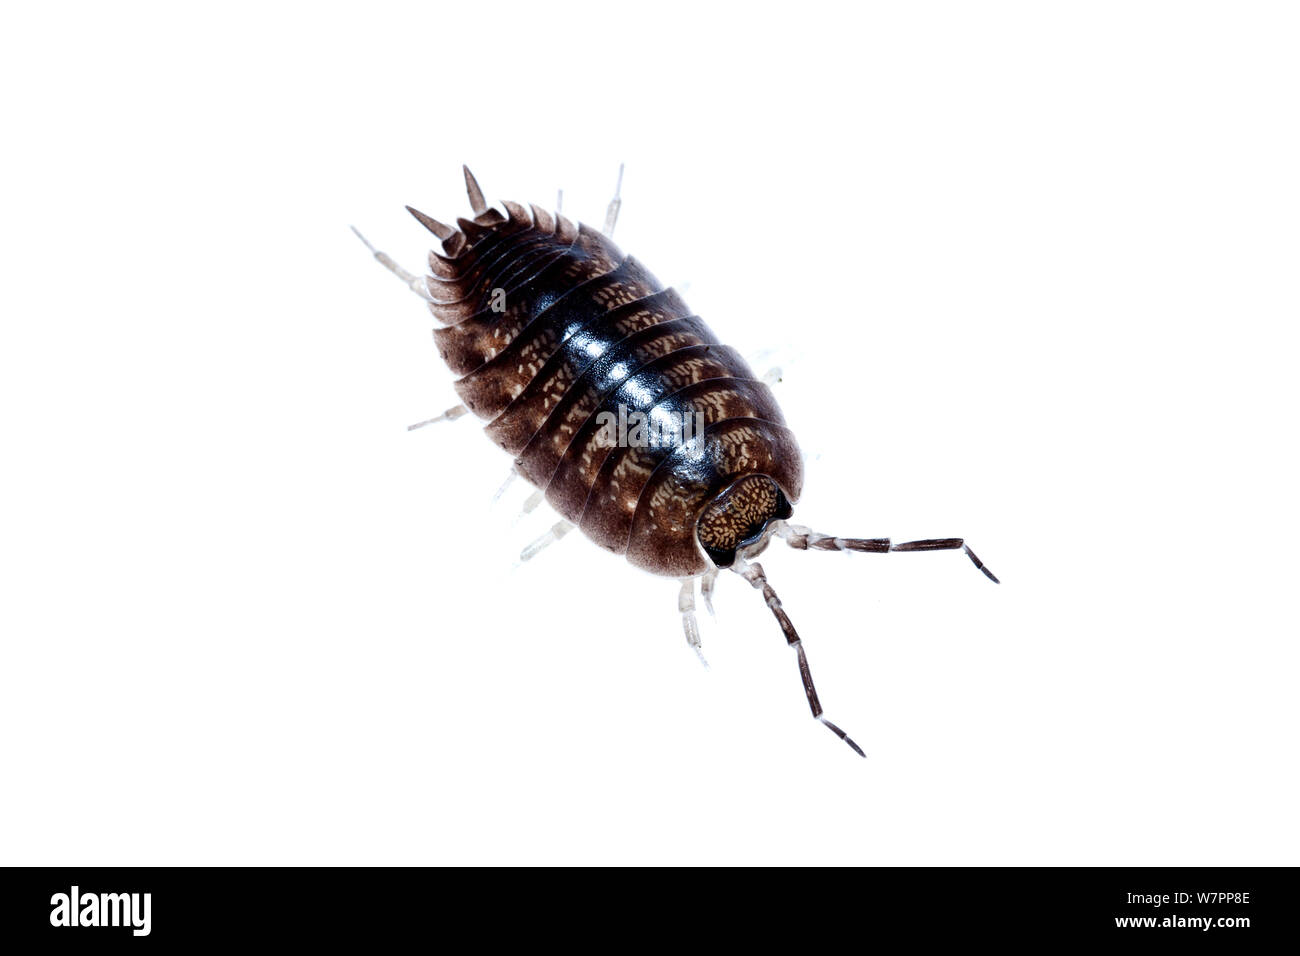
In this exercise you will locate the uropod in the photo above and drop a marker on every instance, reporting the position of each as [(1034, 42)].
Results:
[(619, 405)]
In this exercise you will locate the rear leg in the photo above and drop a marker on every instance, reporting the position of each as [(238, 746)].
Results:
[(417, 285), (450, 415), (414, 282), (615, 204)]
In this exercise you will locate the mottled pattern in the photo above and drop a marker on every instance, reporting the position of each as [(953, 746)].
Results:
[(738, 513)]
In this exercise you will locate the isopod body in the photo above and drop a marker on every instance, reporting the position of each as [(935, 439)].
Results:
[(555, 335), (578, 329)]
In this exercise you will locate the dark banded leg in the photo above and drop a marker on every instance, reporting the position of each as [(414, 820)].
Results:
[(802, 539), (753, 573)]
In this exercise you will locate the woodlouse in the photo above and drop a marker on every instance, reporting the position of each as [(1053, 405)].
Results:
[(553, 330)]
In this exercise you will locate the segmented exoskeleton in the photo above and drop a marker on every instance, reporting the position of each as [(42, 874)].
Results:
[(556, 335)]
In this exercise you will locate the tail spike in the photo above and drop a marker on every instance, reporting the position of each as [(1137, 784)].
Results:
[(476, 200), (439, 229)]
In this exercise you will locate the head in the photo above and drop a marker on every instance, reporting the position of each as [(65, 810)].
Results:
[(738, 517)]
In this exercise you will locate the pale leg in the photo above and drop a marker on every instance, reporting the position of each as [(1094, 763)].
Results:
[(707, 580), (450, 415), (615, 204), (556, 532), (686, 605), (414, 282)]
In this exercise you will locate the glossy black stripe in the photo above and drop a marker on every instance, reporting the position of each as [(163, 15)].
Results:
[(573, 357), (615, 364), (489, 389), (571, 483)]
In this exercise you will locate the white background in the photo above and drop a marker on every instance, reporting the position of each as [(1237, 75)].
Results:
[(1030, 270)]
